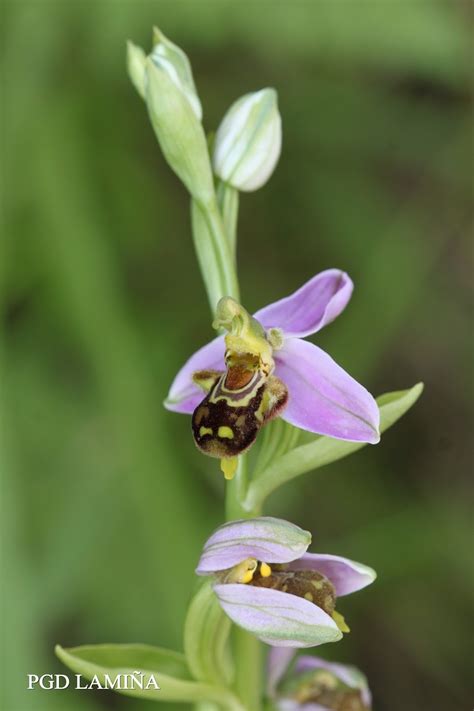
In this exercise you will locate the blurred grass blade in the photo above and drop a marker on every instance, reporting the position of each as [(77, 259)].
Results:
[(206, 634), (324, 450)]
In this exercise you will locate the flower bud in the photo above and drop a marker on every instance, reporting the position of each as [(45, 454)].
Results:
[(168, 56), (165, 80), (179, 131), (248, 141)]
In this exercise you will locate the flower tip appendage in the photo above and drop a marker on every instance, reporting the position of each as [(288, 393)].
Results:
[(229, 467)]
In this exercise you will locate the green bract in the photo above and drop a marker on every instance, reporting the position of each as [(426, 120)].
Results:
[(323, 450), (206, 636)]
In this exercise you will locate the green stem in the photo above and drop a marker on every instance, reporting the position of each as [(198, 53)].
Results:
[(236, 491), (248, 678), (228, 201), (247, 648), (213, 252), (215, 239)]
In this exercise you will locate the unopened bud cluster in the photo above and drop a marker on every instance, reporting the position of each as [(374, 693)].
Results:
[(247, 143)]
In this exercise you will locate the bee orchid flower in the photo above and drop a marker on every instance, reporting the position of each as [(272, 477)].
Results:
[(267, 583), (263, 368), (313, 684)]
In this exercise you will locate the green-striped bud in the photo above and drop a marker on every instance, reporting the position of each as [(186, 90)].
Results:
[(179, 132), (171, 58), (248, 141), (164, 79)]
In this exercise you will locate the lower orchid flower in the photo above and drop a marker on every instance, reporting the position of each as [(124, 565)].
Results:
[(313, 684), (262, 368), (268, 584)]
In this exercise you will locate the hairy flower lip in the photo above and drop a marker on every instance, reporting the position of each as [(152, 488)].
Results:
[(323, 398)]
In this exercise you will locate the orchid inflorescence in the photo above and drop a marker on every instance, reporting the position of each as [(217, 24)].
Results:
[(260, 385)]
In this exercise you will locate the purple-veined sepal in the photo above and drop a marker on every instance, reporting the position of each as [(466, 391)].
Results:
[(346, 575), (277, 618), (269, 539)]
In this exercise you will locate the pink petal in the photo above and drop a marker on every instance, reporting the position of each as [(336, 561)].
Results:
[(275, 617), (323, 398), (346, 575), (311, 307), (184, 396)]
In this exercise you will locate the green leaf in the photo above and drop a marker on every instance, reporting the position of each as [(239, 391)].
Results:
[(206, 635), (169, 669), (324, 450)]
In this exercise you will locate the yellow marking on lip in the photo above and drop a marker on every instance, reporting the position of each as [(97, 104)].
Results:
[(308, 596), (204, 431), (225, 432)]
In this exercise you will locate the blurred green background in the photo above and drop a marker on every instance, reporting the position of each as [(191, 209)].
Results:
[(106, 500)]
